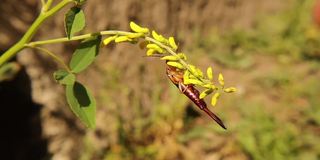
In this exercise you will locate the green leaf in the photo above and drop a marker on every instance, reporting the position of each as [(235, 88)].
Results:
[(64, 77), (74, 21), (82, 103), (85, 54)]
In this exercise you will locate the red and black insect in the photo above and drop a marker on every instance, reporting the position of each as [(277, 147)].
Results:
[(176, 77)]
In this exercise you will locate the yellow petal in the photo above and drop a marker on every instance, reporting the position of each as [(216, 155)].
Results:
[(175, 64), (135, 35), (209, 73), (193, 81), (155, 47), (158, 37), (182, 56), (221, 80), (122, 39), (214, 99), (109, 39), (173, 43), (170, 58), (205, 93), (230, 90), (138, 28), (150, 52)]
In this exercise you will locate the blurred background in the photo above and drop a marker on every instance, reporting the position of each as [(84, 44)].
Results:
[(269, 50)]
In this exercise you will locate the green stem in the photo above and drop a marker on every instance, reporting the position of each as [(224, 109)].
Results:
[(76, 38), (54, 56), (47, 5), (11, 52)]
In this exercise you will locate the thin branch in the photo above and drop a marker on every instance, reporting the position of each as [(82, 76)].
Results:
[(54, 56), (76, 38)]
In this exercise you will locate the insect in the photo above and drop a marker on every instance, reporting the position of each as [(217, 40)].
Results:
[(176, 77)]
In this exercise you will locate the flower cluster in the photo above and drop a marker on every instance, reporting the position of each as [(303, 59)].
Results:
[(166, 48)]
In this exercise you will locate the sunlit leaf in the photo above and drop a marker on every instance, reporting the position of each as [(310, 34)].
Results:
[(74, 21), (64, 77), (85, 54), (82, 103)]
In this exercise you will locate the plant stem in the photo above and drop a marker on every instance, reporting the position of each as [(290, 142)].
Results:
[(47, 5), (11, 52), (54, 56), (76, 38)]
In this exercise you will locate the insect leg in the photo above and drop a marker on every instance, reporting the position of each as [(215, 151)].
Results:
[(182, 87)]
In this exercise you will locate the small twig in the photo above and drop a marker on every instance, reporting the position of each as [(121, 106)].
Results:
[(54, 56)]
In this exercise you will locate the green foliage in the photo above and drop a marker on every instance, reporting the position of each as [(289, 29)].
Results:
[(262, 137), (64, 77), (74, 21), (85, 54), (288, 34), (82, 103)]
